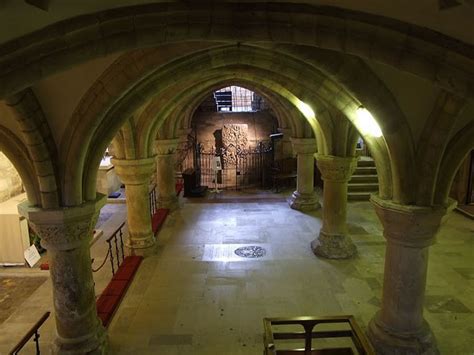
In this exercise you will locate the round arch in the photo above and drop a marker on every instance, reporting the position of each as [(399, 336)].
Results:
[(323, 89), (18, 155), (406, 46)]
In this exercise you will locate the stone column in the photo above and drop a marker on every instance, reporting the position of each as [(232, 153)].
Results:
[(135, 174), (333, 241), (165, 173), (66, 233), (304, 198), (399, 327)]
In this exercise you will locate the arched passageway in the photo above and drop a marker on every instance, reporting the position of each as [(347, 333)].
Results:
[(323, 70)]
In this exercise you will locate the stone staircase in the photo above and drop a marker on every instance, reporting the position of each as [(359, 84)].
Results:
[(364, 181)]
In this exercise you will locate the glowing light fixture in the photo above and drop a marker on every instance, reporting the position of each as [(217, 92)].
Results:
[(367, 124), (305, 109)]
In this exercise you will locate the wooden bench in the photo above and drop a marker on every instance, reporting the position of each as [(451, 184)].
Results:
[(348, 329)]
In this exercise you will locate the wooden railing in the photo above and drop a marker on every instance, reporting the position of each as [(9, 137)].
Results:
[(115, 244), (33, 332), (308, 324)]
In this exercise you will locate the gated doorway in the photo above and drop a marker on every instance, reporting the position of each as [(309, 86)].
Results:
[(241, 168)]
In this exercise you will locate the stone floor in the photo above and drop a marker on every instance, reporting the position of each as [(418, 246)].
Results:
[(14, 290), (195, 296)]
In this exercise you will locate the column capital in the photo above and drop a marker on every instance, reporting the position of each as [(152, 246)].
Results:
[(409, 225), (64, 228), (166, 146), (134, 171), (337, 169), (304, 145)]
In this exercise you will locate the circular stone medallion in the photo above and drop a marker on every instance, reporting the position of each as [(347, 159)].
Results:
[(251, 251)]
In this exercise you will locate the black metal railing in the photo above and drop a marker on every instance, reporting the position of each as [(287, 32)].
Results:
[(152, 201), (33, 332), (274, 331), (115, 246), (185, 154), (245, 168)]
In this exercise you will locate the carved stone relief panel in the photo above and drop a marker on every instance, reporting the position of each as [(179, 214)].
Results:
[(235, 140)]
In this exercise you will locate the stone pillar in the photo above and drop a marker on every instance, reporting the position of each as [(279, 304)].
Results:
[(165, 173), (304, 198), (66, 233), (333, 241), (399, 327), (135, 174)]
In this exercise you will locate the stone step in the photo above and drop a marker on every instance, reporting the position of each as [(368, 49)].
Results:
[(365, 170), (358, 196), (363, 187), (367, 179), (366, 162)]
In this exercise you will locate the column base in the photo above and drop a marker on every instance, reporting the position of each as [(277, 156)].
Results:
[(171, 203), (387, 342), (93, 344), (140, 242), (333, 246), (304, 202)]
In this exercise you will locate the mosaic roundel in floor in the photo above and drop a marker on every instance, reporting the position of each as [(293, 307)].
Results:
[(251, 251)]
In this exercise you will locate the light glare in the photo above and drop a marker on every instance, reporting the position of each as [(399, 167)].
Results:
[(367, 124), (305, 109)]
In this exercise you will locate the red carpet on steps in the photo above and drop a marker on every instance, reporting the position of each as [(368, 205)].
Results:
[(158, 219), (109, 300)]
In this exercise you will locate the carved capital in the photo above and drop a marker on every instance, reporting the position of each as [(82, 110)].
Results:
[(409, 225), (304, 145), (134, 171), (166, 146), (337, 169), (65, 228)]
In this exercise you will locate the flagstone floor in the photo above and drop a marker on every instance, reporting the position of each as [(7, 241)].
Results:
[(194, 295)]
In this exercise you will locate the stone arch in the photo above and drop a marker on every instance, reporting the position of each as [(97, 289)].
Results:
[(340, 91), (406, 46), (433, 143), (39, 142), (287, 117), (456, 151), (190, 99), (281, 110), (142, 96), (19, 156)]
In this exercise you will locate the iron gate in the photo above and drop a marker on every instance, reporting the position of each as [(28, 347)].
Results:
[(240, 168)]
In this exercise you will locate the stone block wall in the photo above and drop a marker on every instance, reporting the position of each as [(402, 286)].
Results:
[(259, 125), (10, 181)]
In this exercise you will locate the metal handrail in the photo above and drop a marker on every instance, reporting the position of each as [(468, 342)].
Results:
[(364, 347), (115, 241), (152, 201), (33, 331)]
